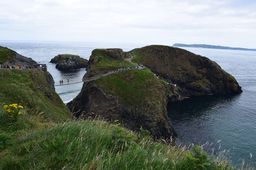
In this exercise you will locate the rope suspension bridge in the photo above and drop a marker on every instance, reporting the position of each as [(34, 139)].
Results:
[(66, 84)]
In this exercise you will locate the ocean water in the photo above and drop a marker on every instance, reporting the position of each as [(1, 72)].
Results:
[(227, 124), (223, 123), (44, 52)]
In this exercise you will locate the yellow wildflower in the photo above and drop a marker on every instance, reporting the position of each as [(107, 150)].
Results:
[(14, 105)]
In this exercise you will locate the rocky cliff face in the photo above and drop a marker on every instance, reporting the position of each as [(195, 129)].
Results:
[(68, 62), (194, 75), (137, 98)]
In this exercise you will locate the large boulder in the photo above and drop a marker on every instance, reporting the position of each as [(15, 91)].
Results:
[(68, 62)]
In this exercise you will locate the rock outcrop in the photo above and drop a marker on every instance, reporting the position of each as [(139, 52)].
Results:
[(68, 62), (138, 98), (10, 57), (193, 74), (135, 98)]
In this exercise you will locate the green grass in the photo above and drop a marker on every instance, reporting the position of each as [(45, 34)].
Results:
[(136, 57), (134, 87), (109, 63), (99, 145), (42, 105), (105, 62), (31, 89), (5, 55), (45, 137)]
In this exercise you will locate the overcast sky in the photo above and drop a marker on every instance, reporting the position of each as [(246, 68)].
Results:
[(226, 22)]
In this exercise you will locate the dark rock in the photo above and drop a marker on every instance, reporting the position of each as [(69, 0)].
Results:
[(68, 62)]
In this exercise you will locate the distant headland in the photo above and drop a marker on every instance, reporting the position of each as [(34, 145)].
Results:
[(212, 47)]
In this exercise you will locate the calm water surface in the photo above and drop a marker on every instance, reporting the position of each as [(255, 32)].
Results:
[(44, 52), (228, 123)]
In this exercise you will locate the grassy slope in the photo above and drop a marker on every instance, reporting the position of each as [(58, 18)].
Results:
[(43, 107), (31, 89), (104, 62), (38, 139), (98, 145), (134, 87), (5, 54)]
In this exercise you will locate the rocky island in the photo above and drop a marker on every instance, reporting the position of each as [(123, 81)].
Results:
[(135, 87), (68, 62)]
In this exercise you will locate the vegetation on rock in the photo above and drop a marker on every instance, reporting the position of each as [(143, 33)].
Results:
[(104, 60), (134, 87), (135, 98), (194, 75), (43, 135), (6, 54)]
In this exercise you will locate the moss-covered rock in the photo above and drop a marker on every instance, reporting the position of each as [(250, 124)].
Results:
[(194, 75)]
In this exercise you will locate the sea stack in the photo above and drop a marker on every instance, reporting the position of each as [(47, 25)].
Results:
[(116, 90), (69, 62)]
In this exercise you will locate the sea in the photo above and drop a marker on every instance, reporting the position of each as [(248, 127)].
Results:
[(223, 125)]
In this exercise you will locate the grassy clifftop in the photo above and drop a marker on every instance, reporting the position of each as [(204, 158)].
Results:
[(5, 54), (134, 87), (103, 60), (32, 89)]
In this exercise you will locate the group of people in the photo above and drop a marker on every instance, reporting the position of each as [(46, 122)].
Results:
[(62, 82)]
